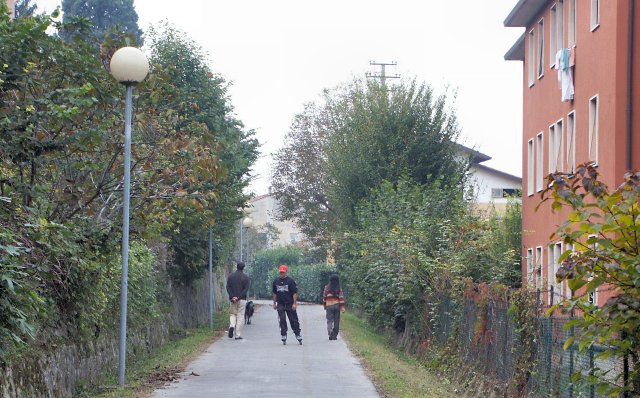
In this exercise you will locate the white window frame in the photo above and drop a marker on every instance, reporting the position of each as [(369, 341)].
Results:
[(559, 146), (538, 259), (539, 162), (571, 141), (552, 148), (595, 14), (532, 58), (594, 105), (571, 37), (560, 25), (530, 267), (592, 297), (553, 48), (540, 49), (555, 251), (530, 167)]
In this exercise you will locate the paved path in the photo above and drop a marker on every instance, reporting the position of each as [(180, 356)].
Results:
[(260, 366)]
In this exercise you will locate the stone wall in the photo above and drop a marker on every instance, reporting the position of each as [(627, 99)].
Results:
[(66, 370)]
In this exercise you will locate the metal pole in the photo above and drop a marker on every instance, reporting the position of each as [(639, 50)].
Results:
[(210, 277), (241, 246), (125, 236), (248, 253)]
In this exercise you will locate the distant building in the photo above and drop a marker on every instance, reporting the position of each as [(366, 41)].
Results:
[(580, 83), (263, 211), (492, 188)]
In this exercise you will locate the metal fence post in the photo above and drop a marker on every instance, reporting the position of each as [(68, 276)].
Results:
[(592, 388), (571, 366)]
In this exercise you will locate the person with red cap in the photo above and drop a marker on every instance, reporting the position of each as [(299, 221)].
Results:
[(285, 301)]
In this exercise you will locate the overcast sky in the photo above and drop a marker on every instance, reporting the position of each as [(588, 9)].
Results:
[(280, 54)]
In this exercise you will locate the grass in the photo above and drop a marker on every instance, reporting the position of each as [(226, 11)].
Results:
[(146, 374), (394, 373)]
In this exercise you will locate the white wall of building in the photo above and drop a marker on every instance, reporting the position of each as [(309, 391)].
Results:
[(263, 210), (485, 180)]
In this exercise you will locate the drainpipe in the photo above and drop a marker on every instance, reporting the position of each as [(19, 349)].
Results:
[(630, 84)]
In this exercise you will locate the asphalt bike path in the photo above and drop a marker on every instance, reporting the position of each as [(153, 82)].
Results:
[(261, 366)]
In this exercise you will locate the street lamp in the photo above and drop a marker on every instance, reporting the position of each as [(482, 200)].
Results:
[(129, 66), (246, 223)]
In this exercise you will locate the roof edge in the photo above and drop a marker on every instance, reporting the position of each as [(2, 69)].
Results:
[(516, 52)]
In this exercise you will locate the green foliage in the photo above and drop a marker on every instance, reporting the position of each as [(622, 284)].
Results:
[(604, 228), (265, 262), (104, 15), (61, 176), (310, 279), (405, 236), (359, 136), (489, 249)]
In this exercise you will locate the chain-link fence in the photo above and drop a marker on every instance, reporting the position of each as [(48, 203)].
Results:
[(485, 334)]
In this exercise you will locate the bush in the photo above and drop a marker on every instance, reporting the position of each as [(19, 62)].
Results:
[(266, 262)]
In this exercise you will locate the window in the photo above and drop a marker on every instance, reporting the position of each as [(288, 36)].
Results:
[(560, 26), (500, 193), (532, 58), (559, 146), (539, 267), (555, 250), (553, 47), (540, 53), (595, 14), (592, 296), (552, 148), (571, 139), (539, 165), (593, 129), (530, 163), (571, 39), (530, 270)]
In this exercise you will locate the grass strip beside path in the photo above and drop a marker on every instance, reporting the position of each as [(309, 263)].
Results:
[(394, 373), (146, 374)]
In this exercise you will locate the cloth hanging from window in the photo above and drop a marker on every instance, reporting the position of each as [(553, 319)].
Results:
[(565, 75)]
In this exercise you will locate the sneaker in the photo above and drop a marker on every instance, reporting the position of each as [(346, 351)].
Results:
[(298, 337), (239, 338), (231, 332), (283, 338)]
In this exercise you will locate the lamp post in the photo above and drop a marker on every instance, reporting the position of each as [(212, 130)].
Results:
[(210, 276), (247, 223), (129, 66)]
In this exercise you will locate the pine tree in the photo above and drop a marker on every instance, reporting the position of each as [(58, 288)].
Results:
[(105, 15)]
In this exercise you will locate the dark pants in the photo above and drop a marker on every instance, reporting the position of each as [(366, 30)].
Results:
[(293, 319), (333, 320)]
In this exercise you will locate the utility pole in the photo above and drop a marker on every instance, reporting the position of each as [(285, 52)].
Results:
[(382, 75)]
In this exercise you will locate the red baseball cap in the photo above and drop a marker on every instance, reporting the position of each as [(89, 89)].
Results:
[(283, 268)]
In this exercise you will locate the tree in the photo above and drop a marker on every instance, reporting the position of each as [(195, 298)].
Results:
[(359, 136), (604, 228), (104, 15)]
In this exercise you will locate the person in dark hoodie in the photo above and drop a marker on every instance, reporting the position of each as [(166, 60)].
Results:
[(285, 301), (237, 288)]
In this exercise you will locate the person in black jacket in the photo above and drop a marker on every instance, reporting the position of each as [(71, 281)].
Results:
[(237, 287), (285, 300)]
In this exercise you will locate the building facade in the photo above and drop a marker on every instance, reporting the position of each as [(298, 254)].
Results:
[(580, 87), (263, 211)]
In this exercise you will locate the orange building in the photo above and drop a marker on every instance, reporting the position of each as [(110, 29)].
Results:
[(581, 85), (12, 6)]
